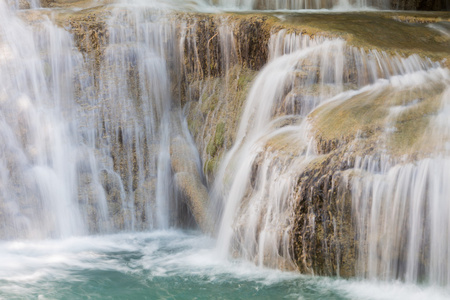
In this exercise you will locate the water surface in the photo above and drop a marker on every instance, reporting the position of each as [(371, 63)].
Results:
[(166, 265)]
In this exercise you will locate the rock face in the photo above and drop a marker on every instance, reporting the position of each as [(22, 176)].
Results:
[(212, 82), (136, 168), (325, 229), (326, 235)]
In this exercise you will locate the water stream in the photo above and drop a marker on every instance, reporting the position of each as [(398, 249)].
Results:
[(166, 265), (102, 191)]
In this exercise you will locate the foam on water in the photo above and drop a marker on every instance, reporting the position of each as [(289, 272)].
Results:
[(165, 264)]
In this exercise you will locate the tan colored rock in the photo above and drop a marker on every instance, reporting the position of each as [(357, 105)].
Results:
[(195, 195), (144, 198), (182, 157)]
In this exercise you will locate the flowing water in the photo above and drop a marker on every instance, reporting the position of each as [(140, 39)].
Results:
[(274, 145), (300, 4), (99, 173), (39, 151), (166, 265)]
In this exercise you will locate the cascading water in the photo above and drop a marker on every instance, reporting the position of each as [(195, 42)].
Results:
[(267, 204), (97, 165), (402, 208), (299, 4), (258, 178), (87, 144), (389, 194), (38, 166), (133, 117)]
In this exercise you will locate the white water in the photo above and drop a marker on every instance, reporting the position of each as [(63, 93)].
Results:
[(39, 151), (63, 157), (86, 147), (250, 5), (398, 206), (166, 264), (406, 209), (300, 4), (265, 227), (137, 114)]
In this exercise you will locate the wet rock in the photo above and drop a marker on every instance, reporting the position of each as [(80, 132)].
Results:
[(195, 195), (213, 92), (188, 181), (144, 204), (23, 4), (182, 157), (323, 234)]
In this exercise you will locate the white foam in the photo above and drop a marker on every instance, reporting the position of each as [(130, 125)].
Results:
[(37, 267)]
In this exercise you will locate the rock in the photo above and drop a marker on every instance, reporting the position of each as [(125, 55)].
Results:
[(182, 157), (212, 90), (188, 181), (323, 235), (112, 186), (23, 4), (144, 204), (195, 195)]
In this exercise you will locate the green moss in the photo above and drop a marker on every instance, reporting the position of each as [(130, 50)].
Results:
[(194, 125), (370, 115), (243, 80), (217, 142), (211, 149), (220, 134), (343, 119), (412, 124), (375, 30), (209, 102), (211, 166)]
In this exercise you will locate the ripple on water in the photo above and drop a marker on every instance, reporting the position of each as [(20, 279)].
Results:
[(166, 265)]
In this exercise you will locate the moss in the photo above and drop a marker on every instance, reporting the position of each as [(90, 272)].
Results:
[(211, 149), (243, 81), (214, 126), (218, 140), (342, 120), (378, 30), (411, 126), (220, 133), (209, 102), (211, 166), (368, 115), (194, 126)]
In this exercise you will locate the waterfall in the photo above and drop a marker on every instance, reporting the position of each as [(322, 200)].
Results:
[(299, 4), (38, 125), (398, 207), (402, 209), (132, 117), (94, 136), (88, 139), (270, 175)]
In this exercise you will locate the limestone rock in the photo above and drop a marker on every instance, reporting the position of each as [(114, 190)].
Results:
[(194, 193)]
